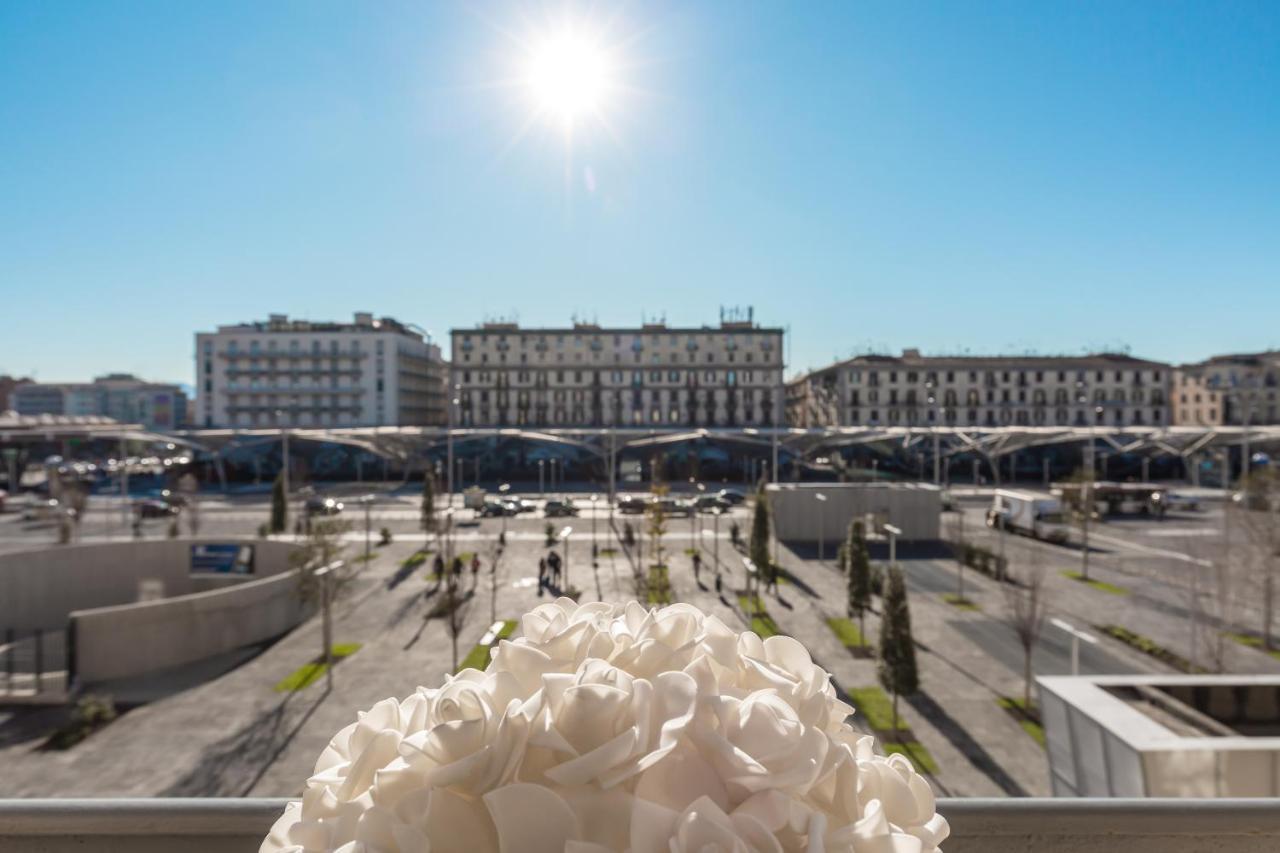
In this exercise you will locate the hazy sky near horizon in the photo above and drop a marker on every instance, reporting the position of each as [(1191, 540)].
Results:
[(952, 176)]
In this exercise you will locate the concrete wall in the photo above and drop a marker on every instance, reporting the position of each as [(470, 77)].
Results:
[(135, 639), (800, 517), (39, 588), (977, 826)]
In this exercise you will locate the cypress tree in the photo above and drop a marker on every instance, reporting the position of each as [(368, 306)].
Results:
[(279, 506), (897, 668), (859, 576), (428, 502), (759, 546)]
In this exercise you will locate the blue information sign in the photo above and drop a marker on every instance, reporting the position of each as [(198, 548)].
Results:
[(222, 559)]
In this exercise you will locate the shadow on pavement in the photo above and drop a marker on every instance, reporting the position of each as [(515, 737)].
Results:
[(963, 741), (233, 766)]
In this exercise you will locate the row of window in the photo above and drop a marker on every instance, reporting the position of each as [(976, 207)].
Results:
[(1039, 397), (654, 395), (582, 417), (1021, 376), (619, 377), (731, 340), (636, 358), (295, 347), (1006, 417)]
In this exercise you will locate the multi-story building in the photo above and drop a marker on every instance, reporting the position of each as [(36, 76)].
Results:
[(1109, 389), (122, 396), (592, 376), (1228, 389), (300, 373), (7, 384)]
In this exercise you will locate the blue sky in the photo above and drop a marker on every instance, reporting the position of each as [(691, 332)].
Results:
[(950, 176)]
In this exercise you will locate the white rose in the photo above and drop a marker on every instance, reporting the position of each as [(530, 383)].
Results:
[(703, 827), (781, 663), (760, 742), (649, 642), (556, 637), (602, 725), (472, 736)]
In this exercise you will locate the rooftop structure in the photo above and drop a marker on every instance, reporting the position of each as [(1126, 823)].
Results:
[(122, 396), (304, 373), (1163, 735)]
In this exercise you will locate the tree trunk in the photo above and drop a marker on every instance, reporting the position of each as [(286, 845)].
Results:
[(1026, 679), (1268, 591), (897, 735)]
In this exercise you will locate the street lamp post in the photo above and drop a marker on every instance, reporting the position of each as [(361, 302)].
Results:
[(453, 402), (502, 490), (284, 458), (1076, 636), (594, 549), (822, 507), (894, 533), (564, 537)]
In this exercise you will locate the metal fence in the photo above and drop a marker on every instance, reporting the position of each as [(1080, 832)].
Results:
[(34, 664)]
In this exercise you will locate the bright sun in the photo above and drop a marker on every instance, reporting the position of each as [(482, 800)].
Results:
[(569, 76)]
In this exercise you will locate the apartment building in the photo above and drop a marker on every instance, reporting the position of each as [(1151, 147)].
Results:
[(1110, 389), (302, 373), (126, 398), (587, 375), (1228, 389)]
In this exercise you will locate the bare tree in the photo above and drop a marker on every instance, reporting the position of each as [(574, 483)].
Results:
[(323, 547), (495, 554), (1256, 514), (1025, 613), (187, 487)]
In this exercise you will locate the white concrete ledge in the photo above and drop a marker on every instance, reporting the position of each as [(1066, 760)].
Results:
[(978, 825)]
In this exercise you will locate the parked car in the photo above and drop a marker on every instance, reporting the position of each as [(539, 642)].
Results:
[(674, 506), (151, 508), (523, 505), (711, 503), (1179, 501), (497, 509), (732, 496), (172, 498), (3, 497), (557, 509), (320, 505), (630, 504), (43, 510)]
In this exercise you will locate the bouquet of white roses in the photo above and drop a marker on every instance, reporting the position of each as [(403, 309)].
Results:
[(613, 728)]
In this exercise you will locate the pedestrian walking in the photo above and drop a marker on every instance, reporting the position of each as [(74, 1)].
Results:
[(438, 567), (457, 567), (475, 569), (719, 585), (697, 564), (542, 572)]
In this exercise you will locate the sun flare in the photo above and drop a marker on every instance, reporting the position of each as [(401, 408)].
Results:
[(569, 75)]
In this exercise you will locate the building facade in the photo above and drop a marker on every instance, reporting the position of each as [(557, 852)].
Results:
[(157, 406), (1235, 390), (1108, 389), (7, 384), (591, 376), (299, 373)]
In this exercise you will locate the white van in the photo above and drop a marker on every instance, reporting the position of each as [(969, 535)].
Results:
[(1037, 515)]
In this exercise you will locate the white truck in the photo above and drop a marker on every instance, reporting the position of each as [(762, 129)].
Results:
[(1037, 515)]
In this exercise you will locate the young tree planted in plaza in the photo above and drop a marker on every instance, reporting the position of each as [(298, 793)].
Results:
[(279, 506), (428, 501), (322, 576), (897, 668), (1025, 614), (758, 548), (859, 576), (1256, 514)]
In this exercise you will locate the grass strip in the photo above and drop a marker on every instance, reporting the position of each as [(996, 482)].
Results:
[(1028, 719), (915, 751), (310, 673), (1149, 647), (959, 602), (1101, 586), (761, 622), (478, 657), (876, 708), (417, 558), (1253, 642), (846, 631)]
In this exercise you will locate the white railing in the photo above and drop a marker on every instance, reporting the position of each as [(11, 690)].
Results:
[(978, 825)]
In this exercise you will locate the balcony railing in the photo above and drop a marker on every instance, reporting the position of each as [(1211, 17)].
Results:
[(977, 825)]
